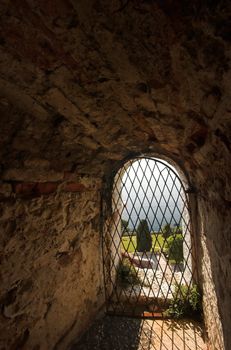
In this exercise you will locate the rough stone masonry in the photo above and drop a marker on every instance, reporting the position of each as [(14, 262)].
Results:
[(84, 86)]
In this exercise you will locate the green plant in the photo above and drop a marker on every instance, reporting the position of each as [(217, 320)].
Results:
[(144, 238), (174, 248), (126, 274), (124, 226), (186, 302), (178, 230), (195, 299), (166, 230)]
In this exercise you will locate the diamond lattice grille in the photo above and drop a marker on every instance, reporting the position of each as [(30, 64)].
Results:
[(147, 239)]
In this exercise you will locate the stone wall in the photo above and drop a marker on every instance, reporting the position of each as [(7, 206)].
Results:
[(211, 177), (51, 267), (210, 307), (215, 269), (84, 86)]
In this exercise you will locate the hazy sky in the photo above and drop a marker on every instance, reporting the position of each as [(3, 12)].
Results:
[(151, 191)]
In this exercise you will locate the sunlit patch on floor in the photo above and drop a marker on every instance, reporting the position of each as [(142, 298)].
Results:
[(117, 333)]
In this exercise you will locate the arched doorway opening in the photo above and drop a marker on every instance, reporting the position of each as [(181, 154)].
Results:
[(148, 249)]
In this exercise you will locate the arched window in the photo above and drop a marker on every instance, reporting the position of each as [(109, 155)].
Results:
[(147, 239)]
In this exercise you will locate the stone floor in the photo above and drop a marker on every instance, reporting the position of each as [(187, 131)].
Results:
[(117, 333)]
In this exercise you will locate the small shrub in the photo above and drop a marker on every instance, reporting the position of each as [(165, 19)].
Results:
[(174, 247), (186, 302), (195, 299), (166, 231), (126, 274)]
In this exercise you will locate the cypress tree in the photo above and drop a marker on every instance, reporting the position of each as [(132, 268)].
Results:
[(143, 236)]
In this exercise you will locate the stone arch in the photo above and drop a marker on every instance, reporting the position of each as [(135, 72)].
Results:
[(111, 230)]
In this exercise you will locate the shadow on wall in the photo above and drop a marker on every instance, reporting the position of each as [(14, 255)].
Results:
[(116, 333)]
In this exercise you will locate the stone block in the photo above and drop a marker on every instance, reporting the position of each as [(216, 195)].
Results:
[(5, 189)]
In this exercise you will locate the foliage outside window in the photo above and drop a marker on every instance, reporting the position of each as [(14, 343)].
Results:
[(144, 238)]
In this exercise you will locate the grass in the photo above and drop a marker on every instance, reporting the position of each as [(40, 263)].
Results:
[(129, 243)]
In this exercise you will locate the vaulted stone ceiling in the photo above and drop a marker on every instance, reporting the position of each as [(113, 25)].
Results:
[(85, 83)]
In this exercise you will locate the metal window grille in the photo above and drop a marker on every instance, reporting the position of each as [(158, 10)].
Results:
[(147, 241)]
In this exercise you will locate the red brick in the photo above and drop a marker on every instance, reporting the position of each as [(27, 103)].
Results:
[(74, 187), (24, 187), (46, 187), (35, 188)]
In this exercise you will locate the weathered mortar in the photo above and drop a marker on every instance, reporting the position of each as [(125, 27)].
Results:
[(83, 86)]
